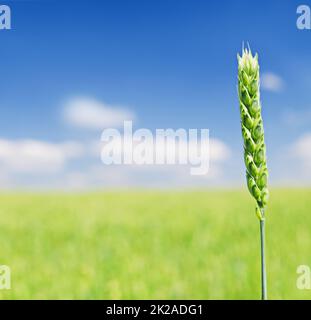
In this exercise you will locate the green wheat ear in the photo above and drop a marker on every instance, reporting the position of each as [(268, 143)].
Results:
[(254, 145), (252, 129)]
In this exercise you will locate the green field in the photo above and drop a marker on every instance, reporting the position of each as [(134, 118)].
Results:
[(152, 245)]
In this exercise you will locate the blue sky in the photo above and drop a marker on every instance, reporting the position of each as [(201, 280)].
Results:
[(170, 63)]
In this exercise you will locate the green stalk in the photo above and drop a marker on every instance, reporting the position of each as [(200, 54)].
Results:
[(263, 261), (254, 144)]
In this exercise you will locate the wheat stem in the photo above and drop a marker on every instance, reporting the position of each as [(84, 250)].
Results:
[(263, 261)]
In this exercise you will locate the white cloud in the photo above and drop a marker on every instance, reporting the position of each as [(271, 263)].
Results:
[(33, 156), (136, 176), (179, 174), (91, 114), (169, 148), (291, 165), (301, 149), (220, 151), (297, 118), (29, 163), (271, 82), (40, 164)]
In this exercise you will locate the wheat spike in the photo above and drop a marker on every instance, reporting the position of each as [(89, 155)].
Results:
[(252, 129)]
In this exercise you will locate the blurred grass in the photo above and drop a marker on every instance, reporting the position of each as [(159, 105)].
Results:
[(152, 245)]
